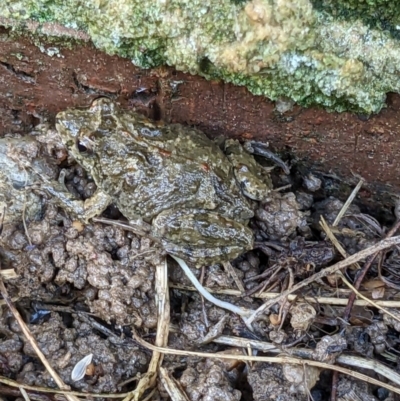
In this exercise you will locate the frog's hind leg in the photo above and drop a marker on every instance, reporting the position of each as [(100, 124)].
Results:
[(261, 149), (201, 236)]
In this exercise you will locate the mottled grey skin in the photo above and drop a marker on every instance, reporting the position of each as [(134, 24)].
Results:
[(22, 162), (171, 176)]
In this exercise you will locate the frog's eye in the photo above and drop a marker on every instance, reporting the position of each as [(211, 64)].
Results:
[(85, 145), (81, 147)]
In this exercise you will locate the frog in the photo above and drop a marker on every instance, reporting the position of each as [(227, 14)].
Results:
[(172, 177)]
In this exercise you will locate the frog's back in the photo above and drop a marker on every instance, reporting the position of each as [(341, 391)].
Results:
[(171, 166), (148, 167)]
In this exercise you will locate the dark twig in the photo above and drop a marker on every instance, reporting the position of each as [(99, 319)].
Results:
[(363, 272), (335, 379), (350, 303), (381, 245)]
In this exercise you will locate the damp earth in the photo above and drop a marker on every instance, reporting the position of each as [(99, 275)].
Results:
[(91, 289)]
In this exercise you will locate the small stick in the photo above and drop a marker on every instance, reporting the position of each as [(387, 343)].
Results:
[(328, 231), (343, 210), (355, 291), (384, 244), (24, 394), (148, 380), (231, 271), (361, 275), (269, 359), (203, 302), (172, 387), (349, 360), (14, 384), (292, 297), (34, 343)]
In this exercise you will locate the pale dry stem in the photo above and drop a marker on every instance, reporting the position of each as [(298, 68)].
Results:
[(172, 387), (384, 244), (32, 341), (280, 360), (148, 381), (271, 295)]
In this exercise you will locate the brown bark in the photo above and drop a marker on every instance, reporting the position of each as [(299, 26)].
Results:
[(35, 86)]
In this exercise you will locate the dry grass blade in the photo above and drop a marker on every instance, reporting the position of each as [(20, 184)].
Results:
[(8, 274), (150, 395), (279, 359), (376, 366), (2, 302), (350, 199), (172, 388), (162, 299), (292, 297), (348, 360), (239, 342), (384, 244), (24, 394), (344, 279), (12, 383), (333, 239), (34, 344)]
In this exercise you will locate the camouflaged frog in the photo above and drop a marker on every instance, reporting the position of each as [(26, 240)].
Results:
[(170, 176)]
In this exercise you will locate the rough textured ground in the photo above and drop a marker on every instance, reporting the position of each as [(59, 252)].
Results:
[(83, 288)]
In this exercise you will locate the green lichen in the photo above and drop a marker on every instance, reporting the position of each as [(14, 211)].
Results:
[(331, 53), (376, 14)]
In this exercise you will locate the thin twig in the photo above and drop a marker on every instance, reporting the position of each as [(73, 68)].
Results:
[(268, 359), (232, 272), (363, 272), (328, 231), (24, 394), (384, 244), (344, 279), (349, 360), (291, 297), (343, 210), (12, 383), (171, 387), (163, 309), (32, 341), (203, 301)]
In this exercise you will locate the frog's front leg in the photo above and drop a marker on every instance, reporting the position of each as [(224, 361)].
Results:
[(83, 210), (261, 149), (201, 236)]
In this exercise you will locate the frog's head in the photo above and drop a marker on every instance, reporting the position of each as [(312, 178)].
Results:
[(82, 130)]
